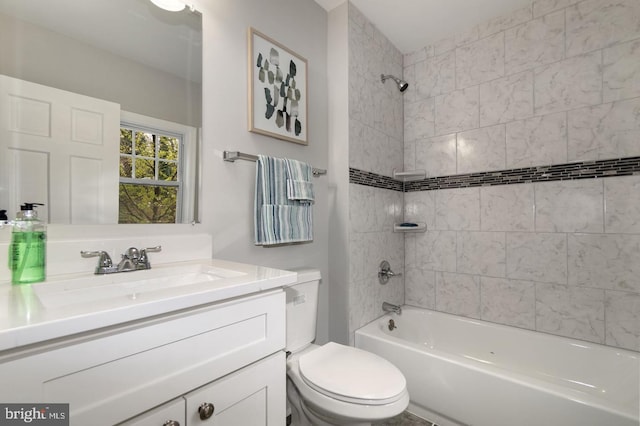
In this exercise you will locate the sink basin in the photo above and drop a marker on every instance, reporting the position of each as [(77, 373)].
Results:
[(131, 285)]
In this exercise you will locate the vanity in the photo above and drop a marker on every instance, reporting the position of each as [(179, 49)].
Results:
[(186, 343)]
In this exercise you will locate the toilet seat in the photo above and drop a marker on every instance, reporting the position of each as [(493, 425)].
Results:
[(352, 375), (334, 406)]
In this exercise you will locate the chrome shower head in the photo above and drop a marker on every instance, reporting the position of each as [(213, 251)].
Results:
[(402, 85)]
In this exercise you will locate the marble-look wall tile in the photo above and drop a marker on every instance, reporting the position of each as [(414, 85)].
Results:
[(609, 262), (360, 101), (481, 149), (419, 119), (418, 55), (604, 131), (594, 24), (504, 22), (437, 156), (458, 294), (367, 148), (480, 61), (506, 99), (507, 208), (569, 206), (388, 113), (357, 245), (436, 250), (444, 45), (622, 312), (622, 204), (537, 42), (456, 111), (388, 208), (510, 302), (362, 213), (570, 311), (420, 288), (409, 74), (537, 141), (355, 16), (458, 209), (436, 75), (621, 73), (555, 85), (420, 206), (481, 253), (542, 7), (538, 257), (409, 155)]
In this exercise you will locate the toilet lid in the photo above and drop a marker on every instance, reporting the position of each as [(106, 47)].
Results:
[(352, 375)]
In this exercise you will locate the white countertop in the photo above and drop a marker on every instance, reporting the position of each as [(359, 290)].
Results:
[(66, 305)]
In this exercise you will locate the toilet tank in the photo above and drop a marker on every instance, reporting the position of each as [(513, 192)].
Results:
[(302, 309)]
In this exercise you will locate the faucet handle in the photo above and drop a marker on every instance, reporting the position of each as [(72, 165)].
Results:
[(144, 259), (104, 258)]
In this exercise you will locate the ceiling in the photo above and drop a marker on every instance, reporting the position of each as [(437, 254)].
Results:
[(412, 24)]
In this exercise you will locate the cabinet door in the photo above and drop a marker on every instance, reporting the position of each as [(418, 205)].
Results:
[(255, 395), (170, 414)]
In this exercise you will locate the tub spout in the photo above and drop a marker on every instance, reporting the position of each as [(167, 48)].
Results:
[(389, 307)]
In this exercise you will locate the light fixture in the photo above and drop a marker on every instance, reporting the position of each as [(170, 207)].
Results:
[(171, 5)]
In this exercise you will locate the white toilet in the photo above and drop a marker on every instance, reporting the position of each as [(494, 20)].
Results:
[(334, 384)]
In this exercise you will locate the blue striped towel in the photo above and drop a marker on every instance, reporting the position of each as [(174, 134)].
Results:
[(277, 219), (299, 185)]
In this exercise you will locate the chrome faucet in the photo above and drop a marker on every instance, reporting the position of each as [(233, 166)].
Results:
[(390, 307), (132, 260)]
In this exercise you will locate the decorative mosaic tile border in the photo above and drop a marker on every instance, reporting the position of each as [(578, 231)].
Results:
[(373, 179), (568, 171)]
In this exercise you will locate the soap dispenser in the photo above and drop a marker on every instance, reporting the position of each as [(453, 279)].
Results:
[(27, 251)]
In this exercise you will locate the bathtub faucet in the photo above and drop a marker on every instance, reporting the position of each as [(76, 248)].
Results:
[(390, 307)]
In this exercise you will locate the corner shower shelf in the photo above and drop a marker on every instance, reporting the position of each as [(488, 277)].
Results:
[(409, 175), (421, 227)]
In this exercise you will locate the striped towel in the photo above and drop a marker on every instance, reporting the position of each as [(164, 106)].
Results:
[(299, 185), (277, 219)]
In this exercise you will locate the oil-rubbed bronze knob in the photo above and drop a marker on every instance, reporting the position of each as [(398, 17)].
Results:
[(206, 410), (171, 423)]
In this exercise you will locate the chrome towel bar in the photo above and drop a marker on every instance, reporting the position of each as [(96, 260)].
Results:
[(232, 156)]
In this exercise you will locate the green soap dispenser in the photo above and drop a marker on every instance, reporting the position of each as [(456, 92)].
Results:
[(27, 251)]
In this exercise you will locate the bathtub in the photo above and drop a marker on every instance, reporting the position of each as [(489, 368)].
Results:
[(462, 371)]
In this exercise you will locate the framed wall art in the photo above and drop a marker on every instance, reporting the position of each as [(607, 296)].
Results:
[(277, 90)]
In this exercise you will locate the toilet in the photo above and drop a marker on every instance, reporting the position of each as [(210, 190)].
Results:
[(334, 384)]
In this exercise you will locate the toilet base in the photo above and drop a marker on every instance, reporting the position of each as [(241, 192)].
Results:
[(304, 415)]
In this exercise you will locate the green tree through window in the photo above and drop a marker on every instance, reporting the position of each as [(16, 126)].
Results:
[(150, 176)]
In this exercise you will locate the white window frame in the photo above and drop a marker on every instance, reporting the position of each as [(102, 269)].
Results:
[(185, 210)]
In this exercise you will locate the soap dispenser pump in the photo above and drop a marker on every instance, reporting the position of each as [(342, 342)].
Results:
[(27, 251)]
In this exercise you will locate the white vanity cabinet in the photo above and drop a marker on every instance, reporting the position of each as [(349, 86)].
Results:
[(228, 354)]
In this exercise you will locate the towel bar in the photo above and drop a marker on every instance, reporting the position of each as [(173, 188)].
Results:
[(232, 156)]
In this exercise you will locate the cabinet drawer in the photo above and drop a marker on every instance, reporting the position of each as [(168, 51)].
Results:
[(171, 411), (106, 380), (255, 395)]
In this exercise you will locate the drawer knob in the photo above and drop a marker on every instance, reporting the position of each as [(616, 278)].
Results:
[(206, 410), (171, 423)]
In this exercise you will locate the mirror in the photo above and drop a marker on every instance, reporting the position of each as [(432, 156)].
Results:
[(129, 75)]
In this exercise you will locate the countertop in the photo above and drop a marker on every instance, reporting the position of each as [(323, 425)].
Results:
[(67, 305)]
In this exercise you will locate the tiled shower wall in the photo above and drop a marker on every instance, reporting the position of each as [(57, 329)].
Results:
[(557, 82), (375, 145)]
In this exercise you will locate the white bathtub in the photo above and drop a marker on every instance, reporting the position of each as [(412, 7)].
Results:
[(471, 372)]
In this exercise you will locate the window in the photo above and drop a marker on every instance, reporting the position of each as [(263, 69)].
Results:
[(150, 175)]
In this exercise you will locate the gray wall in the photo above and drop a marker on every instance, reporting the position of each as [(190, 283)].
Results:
[(546, 84), (228, 188)]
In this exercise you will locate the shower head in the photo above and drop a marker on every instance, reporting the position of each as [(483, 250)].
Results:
[(402, 85)]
